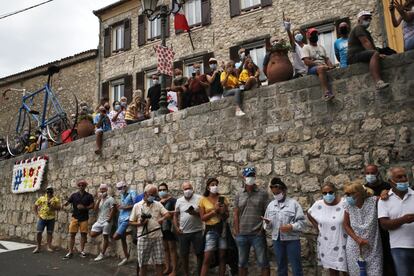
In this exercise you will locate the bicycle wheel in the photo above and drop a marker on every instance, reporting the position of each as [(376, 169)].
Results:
[(19, 130), (61, 118)]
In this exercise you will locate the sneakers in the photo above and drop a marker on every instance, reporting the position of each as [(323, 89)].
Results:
[(50, 249), (36, 250), (381, 85), (82, 254), (240, 113), (99, 258), (124, 261), (68, 256)]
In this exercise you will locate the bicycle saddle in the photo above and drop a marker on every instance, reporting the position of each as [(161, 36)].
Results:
[(53, 69)]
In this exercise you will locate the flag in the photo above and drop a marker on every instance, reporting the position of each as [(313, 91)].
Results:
[(165, 58), (180, 22)]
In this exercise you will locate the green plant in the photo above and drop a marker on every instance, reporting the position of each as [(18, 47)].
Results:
[(280, 46)]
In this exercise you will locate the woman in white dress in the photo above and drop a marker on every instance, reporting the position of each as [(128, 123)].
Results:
[(327, 216)]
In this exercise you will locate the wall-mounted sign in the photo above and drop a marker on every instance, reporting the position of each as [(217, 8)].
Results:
[(28, 175)]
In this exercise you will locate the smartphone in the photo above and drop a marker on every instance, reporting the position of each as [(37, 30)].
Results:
[(246, 52), (193, 74), (221, 200), (191, 208)]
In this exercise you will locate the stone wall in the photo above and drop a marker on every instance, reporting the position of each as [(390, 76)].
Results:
[(78, 76), (288, 132)]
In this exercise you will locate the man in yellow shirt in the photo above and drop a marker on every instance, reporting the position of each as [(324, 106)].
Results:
[(45, 208), (230, 83)]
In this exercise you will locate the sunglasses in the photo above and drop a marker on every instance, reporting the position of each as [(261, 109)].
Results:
[(160, 190), (325, 193), (119, 188), (276, 186)]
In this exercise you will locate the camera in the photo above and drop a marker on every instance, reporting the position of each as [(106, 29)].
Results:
[(145, 216)]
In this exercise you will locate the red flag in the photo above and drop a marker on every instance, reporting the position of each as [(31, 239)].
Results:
[(180, 22)]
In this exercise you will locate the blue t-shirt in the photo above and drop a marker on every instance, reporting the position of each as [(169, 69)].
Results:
[(126, 200), (106, 124), (138, 198), (341, 49)]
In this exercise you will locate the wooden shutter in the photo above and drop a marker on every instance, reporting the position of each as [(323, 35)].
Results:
[(141, 30), (107, 42), (127, 34), (140, 79), (234, 55), (105, 90), (205, 12), (128, 87), (206, 57), (234, 8), (266, 3), (178, 64)]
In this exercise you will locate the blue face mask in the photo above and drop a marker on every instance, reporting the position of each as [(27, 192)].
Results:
[(151, 199), (350, 200), (162, 193), (298, 37), (371, 178), (402, 186), (329, 198)]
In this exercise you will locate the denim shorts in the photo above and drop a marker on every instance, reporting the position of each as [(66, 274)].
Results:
[(122, 227), (313, 70), (214, 242), (49, 224), (258, 242)]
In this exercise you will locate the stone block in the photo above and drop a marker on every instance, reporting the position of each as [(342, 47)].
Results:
[(263, 169), (309, 184), (337, 146), (297, 165), (318, 166), (338, 180), (286, 150), (352, 162), (386, 137), (279, 167), (312, 149), (404, 135)]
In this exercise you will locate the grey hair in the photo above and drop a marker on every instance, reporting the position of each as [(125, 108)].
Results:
[(149, 187), (390, 171), (186, 182)]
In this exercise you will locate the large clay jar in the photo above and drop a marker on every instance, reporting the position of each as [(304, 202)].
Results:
[(279, 67), (85, 128)]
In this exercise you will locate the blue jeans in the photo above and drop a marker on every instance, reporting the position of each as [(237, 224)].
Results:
[(288, 251), (244, 242), (48, 224), (403, 260)]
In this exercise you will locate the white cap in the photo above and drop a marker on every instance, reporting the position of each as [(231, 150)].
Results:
[(103, 186), (121, 184), (362, 13), (212, 60)]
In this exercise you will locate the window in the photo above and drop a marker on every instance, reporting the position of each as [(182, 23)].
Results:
[(117, 90), (246, 4), (188, 67), (117, 38), (192, 10), (154, 29), (148, 80)]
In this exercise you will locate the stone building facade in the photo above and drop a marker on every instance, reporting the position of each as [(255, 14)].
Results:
[(218, 28), (78, 75), (287, 132)]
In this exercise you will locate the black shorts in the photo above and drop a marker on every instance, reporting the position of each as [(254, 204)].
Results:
[(364, 56), (168, 236)]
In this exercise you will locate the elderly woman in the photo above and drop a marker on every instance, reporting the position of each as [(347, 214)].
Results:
[(284, 217), (117, 115), (327, 216), (361, 224), (136, 109)]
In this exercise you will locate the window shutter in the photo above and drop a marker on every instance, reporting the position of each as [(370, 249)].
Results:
[(105, 90), (206, 57), (167, 33), (234, 55), (128, 87), (140, 79), (141, 30), (234, 8), (205, 12), (168, 81), (107, 42), (178, 64), (127, 34), (266, 3)]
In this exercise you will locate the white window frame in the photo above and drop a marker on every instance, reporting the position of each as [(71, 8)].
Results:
[(154, 29), (117, 90), (257, 53), (327, 31), (118, 35), (148, 80), (193, 12), (188, 67), (248, 4)]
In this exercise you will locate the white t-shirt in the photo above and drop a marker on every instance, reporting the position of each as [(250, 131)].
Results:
[(156, 210), (298, 63), (393, 208), (105, 207), (316, 53), (189, 223)]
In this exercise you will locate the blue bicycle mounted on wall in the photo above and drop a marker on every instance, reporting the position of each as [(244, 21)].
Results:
[(41, 111)]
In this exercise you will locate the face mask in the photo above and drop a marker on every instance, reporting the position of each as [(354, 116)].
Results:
[(343, 30), (242, 55), (151, 199), (179, 76), (366, 23), (279, 196), (154, 82), (329, 198), (117, 107), (314, 39), (214, 189), (250, 181), (124, 104), (402, 186), (163, 193), (196, 70), (350, 200), (213, 66), (298, 37), (371, 178), (188, 193)]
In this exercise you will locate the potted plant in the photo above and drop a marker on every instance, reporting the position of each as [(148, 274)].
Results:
[(85, 125), (279, 67)]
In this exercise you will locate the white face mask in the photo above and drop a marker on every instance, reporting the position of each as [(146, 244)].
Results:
[(188, 193), (366, 23), (250, 181), (371, 178), (279, 196), (213, 189), (242, 55), (154, 82), (103, 194)]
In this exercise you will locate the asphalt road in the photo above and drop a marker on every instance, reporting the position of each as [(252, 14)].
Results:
[(25, 263)]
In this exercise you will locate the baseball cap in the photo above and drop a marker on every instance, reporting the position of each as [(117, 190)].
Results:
[(49, 188), (211, 60), (82, 181), (121, 184), (249, 171), (103, 186), (362, 13), (310, 31)]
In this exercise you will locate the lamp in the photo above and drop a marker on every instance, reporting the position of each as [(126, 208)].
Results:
[(149, 6)]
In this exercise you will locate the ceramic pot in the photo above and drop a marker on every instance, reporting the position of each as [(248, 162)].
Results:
[(85, 128), (279, 67)]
